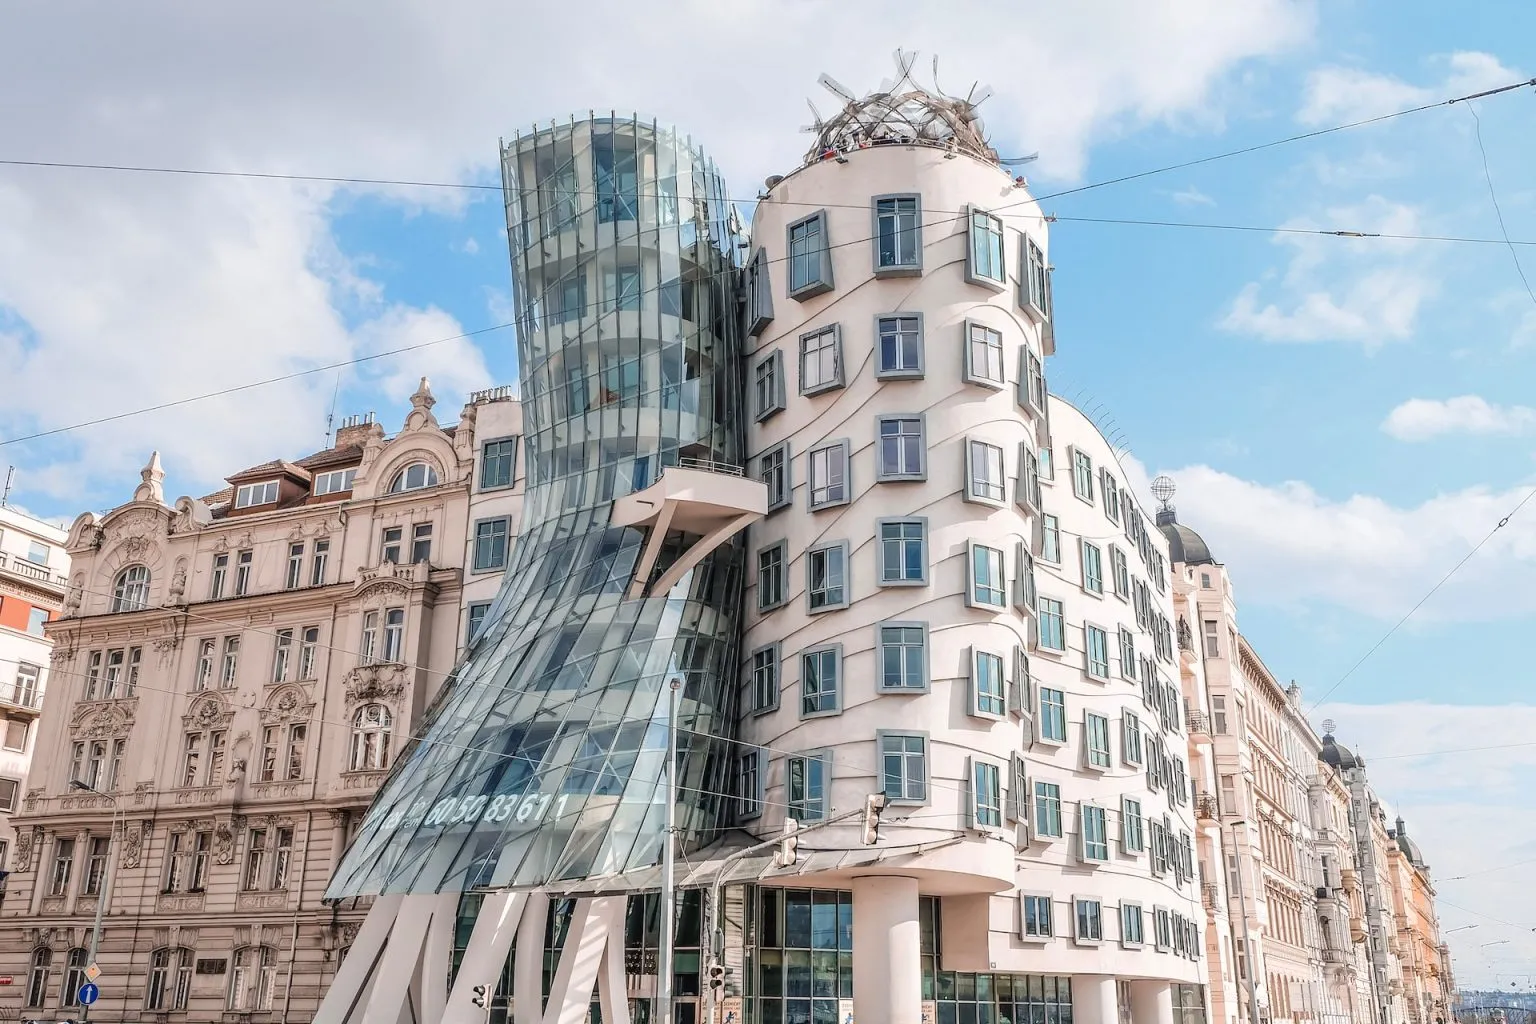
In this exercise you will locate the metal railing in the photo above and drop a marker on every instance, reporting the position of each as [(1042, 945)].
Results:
[(28, 697), (30, 570), (499, 393), (1205, 807), (709, 465), (1198, 723)]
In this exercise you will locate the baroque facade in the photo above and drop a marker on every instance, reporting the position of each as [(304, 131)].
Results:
[(233, 678)]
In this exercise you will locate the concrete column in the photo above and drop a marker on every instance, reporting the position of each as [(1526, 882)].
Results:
[(1094, 1000), (1151, 1002), (887, 952)]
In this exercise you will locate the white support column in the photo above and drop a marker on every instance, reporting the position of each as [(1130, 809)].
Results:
[(1151, 1002), (402, 956), (1094, 1000), (351, 982), (485, 955), (437, 955), (528, 962), (887, 952), (612, 989), (570, 993)]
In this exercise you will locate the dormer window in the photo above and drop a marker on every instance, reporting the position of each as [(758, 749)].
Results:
[(334, 482), (264, 493), (413, 478)]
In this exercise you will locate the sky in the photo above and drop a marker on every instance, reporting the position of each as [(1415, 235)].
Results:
[(1345, 419)]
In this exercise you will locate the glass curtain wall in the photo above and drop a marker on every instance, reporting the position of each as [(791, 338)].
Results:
[(542, 758)]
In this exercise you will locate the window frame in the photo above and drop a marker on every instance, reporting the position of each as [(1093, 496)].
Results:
[(1052, 738), (819, 650), (974, 765), (511, 462), (472, 620), (1093, 750), (1081, 490), (1078, 904), (1031, 389), (787, 497), (1092, 582), (254, 495), (1050, 538), (881, 735), (766, 405), (1036, 832), (1090, 630), (839, 377), (759, 292), (842, 547), (1026, 489), (1033, 272), (782, 546), (900, 373), (880, 645), (913, 269), (993, 340), (975, 708), (844, 449), (750, 806), (1141, 925), (1090, 810), (971, 493), (1044, 899), (1130, 727), (476, 565), (921, 473), (775, 665), (1045, 617), (1120, 572), (995, 229), (921, 522), (971, 599), (1132, 845), (823, 759), (823, 281)]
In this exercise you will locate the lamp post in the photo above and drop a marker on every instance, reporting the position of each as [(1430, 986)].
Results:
[(1242, 906), (668, 881), (105, 892)]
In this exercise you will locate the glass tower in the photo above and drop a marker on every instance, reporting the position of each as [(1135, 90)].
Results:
[(542, 759)]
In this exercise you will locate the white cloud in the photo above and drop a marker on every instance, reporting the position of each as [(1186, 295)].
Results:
[(1337, 95), (1192, 197), (468, 247), (1421, 419), (120, 290), (1365, 291)]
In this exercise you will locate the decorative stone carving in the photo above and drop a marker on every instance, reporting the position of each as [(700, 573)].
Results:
[(287, 705), (208, 712), (368, 683), (151, 479), (33, 796), (24, 841), (224, 842), (72, 596), (133, 843), (94, 722), (179, 581)]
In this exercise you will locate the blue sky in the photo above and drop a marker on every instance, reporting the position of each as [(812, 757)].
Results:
[(1261, 372)]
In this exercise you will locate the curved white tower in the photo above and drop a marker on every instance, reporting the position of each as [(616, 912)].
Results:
[(936, 615)]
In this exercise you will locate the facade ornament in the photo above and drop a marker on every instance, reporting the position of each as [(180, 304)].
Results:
[(72, 597), (151, 481), (24, 841), (95, 723), (287, 705), (369, 683), (420, 417), (207, 712), (224, 843), (133, 843), (191, 514), (179, 581), (33, 796)]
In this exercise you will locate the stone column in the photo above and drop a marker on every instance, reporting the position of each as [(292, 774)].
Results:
[(1094, 1000), (887, 952), (1151, 1002)]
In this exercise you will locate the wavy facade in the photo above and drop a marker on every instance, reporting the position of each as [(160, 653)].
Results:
[(543, 759)]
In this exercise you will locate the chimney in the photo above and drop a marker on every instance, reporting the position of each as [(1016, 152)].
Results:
[(356, 430)]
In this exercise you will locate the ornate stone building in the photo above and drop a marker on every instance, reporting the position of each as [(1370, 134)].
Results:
[(233, 677)]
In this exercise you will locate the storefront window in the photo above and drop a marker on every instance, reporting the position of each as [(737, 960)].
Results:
[(965, 998), (803, 963)]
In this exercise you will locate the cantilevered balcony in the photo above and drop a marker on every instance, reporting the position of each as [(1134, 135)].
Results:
[(16, 566), (710, 500)]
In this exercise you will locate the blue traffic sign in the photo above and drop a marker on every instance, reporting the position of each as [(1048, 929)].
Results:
[(89, 993)]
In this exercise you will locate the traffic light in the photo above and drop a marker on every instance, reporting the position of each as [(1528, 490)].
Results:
[(481, 994), (784, 856), (873, 805), (716, 975)]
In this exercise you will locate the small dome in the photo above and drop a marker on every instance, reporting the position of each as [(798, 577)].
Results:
[(1338, 755), (1184, 544)]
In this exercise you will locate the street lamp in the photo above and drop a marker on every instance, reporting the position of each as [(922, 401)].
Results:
[(106, 886), (1465, 927), (1499, 942), (1253, 992)]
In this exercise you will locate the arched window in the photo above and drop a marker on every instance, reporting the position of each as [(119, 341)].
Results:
[(37, 980), (372, 725), (170, 979), (253, 978), (413, 477), (131, 592), (74, 977)]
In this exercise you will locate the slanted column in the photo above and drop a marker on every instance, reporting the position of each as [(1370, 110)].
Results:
[(1094, 1000), (1151, 1002), (887, 951)]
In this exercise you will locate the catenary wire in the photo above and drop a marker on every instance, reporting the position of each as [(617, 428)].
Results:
[(1477, 123)]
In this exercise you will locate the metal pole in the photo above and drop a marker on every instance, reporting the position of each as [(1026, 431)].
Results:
[(105, 893), (1242, 906), (664, 955)]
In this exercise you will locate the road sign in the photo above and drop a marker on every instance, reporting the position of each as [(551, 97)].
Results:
[(92, 973), (89, 993)]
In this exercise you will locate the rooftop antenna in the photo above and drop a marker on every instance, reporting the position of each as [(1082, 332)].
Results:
[(331, 416), (10, 477)]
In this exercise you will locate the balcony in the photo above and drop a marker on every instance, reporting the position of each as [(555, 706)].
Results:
[(1199, 724), (1334, 956), (710, 500), (1209, 897), (14, 566), (1205, 807), (26, 699)]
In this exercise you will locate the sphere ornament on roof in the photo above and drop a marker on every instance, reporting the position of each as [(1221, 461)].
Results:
[(903, 112)]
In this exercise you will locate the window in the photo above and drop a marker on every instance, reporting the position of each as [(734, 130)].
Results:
[(898, 235), (230, 663), (904, 766), (983, 356), (1035, 916), (1127, 654), (765, 678), (282, 753), (1093, 568), (392, 544), (1027, 490), (810, 262), (394, 635), (820, 686), (902, 451), (768, 385), (1053, 715), (903, 551), (988, 583), (74, 976), (1212, 642), (1032, 280), (243, 563), (1130, 738), (372, 728), (413, 478), (821, 360), (1111, 495), (86, 762), (827, 577), (336, 481), (1163, 929), (309, 647), (771, 572), (1053, 630), (170, 979), (491, 536), (37, 621), (282, 651), (216, 581), (15, 739), (1096, 740), (1047, 464), (1025, 596), (984, 255), (899, 353), (806, 781), (264, 493), (295, 574), (1089, 917), (829, 475), (475, 620), (773, 471), (759, 289), (1219, 713), (1132, 839), (1096, 652), (370, 639), (24, 692), (1082, 475), (988, 698), (37, 977), (38, 552), (191, 759), (1094, 826), (498, 463), (903, 656), (984, 473), (749, 785), (421, 543), (1050, 542), (1047, 810), (253, 979), (1032, 392), (986, 794), (1120, 573), (8, 790), (317, 561), (63, 866), (1131, 924), (130, 593)]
